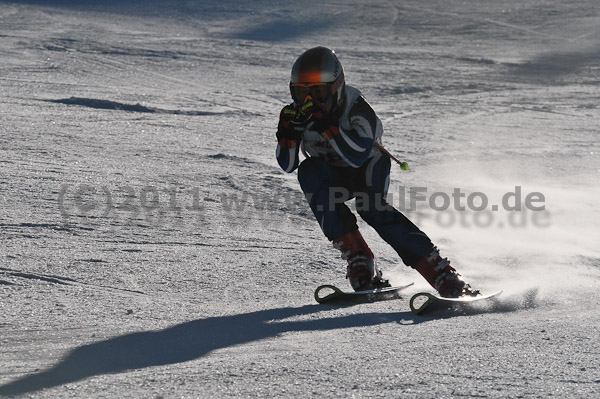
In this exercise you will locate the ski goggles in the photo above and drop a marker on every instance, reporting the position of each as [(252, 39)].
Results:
[(318, 91)]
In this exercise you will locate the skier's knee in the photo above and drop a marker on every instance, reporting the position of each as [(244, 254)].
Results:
[(372, 207), (369, 216), (310, 170)]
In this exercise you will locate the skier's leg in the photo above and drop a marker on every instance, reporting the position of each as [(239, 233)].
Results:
[(397, 230), (326, 188), (320, 183), (413, 246)]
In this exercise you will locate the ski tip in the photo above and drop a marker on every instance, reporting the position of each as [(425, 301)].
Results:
[(423, 300), (327, 297), (330, 293), (420, 301)]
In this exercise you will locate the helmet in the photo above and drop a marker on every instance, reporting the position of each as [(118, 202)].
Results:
[(318, 73)]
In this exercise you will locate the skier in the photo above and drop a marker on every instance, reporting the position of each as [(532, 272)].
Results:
[(337, 130)]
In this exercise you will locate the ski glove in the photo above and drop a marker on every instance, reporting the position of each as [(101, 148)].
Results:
[(318, 119), (289, 133)]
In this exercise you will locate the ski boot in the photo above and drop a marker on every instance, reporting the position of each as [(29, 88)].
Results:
[(361, 271), (443, 277)]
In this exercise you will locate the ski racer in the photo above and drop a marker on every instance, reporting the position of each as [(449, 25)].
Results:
[(337, 130)]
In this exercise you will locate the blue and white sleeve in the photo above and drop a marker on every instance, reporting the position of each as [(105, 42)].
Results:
[(287, 155), (354, 145)]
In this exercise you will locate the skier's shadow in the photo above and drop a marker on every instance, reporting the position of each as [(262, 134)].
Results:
[(188, 341)]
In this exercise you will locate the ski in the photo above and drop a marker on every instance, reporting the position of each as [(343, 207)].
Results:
[(424, 302), (338, 296)]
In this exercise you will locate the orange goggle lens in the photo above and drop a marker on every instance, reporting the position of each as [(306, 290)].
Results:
[(318, 91)]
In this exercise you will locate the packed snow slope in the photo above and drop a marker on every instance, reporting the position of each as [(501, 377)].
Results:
[(151, 247)]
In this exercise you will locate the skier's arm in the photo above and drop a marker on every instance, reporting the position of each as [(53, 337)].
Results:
[(287, 157), (288, 140), (355, 144)]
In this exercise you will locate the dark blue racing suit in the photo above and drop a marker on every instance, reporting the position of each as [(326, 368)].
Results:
[(348, 166)]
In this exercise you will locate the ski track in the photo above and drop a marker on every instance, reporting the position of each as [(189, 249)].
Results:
[(152, 247)]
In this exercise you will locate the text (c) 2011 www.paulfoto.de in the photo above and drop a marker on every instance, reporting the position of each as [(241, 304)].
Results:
[(456, 208)]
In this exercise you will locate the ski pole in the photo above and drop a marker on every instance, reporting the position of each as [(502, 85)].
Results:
[(403, 165)]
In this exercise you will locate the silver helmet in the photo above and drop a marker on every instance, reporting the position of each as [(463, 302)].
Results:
[(318, 73)]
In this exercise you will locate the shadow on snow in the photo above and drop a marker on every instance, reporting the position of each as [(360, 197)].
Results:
[(554, 65), (284, 29), (195, 339), (188, 341)]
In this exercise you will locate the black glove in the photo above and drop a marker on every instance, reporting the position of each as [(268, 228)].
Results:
[(289, 133), (315, 117)]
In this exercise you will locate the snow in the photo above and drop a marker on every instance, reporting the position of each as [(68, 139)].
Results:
[(152, 247)]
